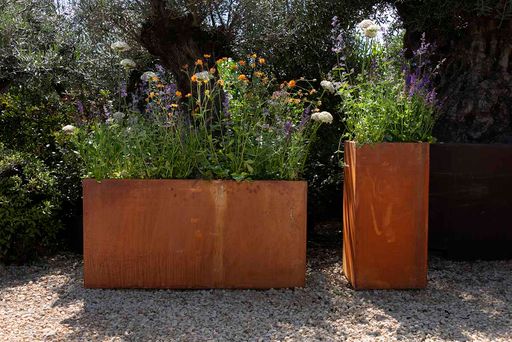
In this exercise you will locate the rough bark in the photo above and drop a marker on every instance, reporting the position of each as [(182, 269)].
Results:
[(475, 81), (180, 40)]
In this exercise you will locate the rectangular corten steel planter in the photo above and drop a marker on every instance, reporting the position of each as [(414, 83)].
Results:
[(192, 234), (385, 214), (471, 200)]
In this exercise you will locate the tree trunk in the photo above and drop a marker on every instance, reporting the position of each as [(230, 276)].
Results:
[(179, 40), (475, 80)]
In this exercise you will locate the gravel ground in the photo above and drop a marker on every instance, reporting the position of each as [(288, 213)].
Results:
[(465, 301)]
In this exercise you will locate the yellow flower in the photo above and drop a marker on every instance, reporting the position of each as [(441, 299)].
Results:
[(254, 55), (259, 74), (152, 95), (174, 105), (243, 78), (253, 65), (221, 83), (193, 78), (160, 85), (188, 95), (262, 60), (292, 84), (219, 61), (179, 93), (199, 62), (154, 78), (207, 56)]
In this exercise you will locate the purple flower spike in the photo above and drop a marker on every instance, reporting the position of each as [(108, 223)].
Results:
[(288, 128), (80, 106), (122, 90)]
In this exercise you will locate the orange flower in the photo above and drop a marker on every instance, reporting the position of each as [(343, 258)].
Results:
[(262, 60), (242, 63), (160, 85), (199, 62), (207, 56), (152, 94), (193, 78), (154, 79), (179, 93), (259, 74), (292, 84), (243, 78)]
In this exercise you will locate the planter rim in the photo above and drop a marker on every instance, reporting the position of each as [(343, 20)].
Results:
[(388, 143), (190, 180), (501, 145)]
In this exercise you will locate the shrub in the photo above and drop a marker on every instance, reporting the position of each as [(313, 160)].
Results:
[(29, 206)]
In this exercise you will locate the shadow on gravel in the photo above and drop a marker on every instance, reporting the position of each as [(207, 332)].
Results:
[(461, 299)]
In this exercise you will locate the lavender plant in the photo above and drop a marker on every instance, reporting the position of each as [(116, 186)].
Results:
[(235, 123), (388, 98)]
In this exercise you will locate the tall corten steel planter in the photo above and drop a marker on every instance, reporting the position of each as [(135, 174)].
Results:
[(191, 234), (385, 215)]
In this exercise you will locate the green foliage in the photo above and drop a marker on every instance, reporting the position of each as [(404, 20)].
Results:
[(233, 126), (383, 103), (29, 206)]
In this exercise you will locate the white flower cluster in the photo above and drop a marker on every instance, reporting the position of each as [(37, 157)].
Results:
[(148, 76), (324, 117), (203, 76), (128, 63), (68, 129), (120, 46), (328, 86), (369, 28)]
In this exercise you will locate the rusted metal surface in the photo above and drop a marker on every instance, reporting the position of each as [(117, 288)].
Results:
[(194, 234), (471, 200), (385, 217)]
